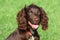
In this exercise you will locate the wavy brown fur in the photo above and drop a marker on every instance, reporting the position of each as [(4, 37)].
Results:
[(35, 15)]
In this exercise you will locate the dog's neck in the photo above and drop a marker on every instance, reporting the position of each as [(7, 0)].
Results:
[(25, 32)]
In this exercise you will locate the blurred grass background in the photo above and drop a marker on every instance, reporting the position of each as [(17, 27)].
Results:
[(10, 8)]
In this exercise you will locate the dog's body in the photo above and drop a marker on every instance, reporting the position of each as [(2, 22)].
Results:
[(16, 35), (28, 20)]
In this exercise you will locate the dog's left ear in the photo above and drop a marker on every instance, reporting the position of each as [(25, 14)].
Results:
[(44, 19), (21, 19)]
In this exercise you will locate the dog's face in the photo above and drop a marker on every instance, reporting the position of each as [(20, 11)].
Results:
[(34, 16)]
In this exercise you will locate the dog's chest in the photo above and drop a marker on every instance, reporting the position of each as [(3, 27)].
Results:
[(31, 38)]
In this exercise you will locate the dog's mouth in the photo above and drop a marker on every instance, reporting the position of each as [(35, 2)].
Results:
[(33, 25)]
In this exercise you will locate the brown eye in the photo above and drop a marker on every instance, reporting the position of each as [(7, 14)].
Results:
[(38, 12), (31, 11)]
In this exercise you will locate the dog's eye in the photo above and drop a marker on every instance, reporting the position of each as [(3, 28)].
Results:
[(31, 11), (38, 12)]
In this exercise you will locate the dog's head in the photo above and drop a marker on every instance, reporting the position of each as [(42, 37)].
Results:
[(32, 15)]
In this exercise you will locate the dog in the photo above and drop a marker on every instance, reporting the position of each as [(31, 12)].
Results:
[(28, 20)]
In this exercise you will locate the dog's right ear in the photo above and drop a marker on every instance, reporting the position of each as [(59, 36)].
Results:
[(21, 19), (44, 19)]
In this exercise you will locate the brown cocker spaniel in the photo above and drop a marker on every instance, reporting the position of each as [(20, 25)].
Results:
[(28, 20)]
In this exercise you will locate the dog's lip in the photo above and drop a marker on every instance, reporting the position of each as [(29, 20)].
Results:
[(33, 25)]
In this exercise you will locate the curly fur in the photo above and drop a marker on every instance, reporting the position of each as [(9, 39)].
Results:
[(33, 14)]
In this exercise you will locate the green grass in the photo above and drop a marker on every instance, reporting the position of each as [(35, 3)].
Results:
[(10, 8)]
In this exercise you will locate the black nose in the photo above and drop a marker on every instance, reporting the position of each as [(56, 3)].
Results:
[(36, 19)]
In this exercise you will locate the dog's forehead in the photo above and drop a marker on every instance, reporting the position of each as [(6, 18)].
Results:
[(34, 9)]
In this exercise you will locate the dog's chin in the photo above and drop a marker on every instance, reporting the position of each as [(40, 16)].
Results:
[(34, 26)]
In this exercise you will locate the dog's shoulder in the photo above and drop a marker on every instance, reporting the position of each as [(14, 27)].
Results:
[(13, 35)]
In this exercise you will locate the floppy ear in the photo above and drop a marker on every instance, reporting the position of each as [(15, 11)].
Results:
[(44, 19), (21, 19)]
